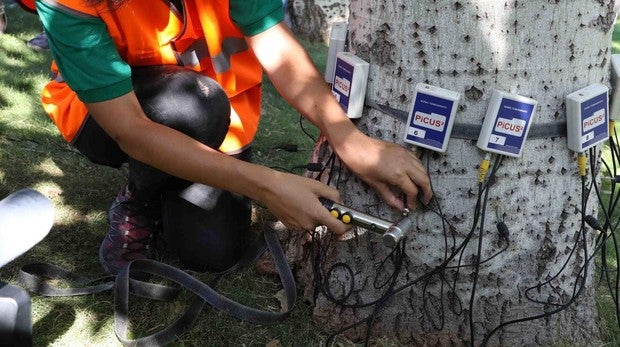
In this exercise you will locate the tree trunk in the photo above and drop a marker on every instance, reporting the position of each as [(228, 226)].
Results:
[(540, 49), (312, 19)]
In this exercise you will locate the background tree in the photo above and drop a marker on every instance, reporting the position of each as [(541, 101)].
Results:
[(540, 49), (312, 19)]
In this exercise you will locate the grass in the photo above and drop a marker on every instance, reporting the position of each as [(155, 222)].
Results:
[(609, 325), (34, 155)]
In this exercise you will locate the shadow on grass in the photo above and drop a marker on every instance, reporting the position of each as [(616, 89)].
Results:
[(33, 154), (51, 323)]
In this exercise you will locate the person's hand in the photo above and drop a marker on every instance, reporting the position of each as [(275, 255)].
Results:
[(294, 200), (385, 166), (382, 165)]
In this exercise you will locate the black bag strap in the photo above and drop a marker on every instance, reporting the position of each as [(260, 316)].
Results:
[(33, 278)]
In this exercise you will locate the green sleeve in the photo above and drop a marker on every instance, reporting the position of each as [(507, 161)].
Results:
[(256, 16), (85, 54)]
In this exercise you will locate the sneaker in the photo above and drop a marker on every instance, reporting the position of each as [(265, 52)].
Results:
[(39, 43), (131, 232)]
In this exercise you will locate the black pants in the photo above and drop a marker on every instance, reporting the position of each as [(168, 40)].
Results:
[(207, 227)]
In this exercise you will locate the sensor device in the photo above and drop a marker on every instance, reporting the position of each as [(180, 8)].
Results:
[(587, 117), (431, 117), (506, 123), (349, 85), (615, 84), (337, 40), (393, 233), (350, 216)]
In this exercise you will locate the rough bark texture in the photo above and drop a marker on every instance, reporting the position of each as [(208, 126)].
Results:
[(541, 49), (312, 19)]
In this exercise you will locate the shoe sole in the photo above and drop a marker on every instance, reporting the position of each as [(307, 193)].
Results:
[(37, 48)]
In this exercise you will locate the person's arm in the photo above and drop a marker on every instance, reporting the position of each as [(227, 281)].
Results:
[(380, 164), (291, 198), (90, 64)]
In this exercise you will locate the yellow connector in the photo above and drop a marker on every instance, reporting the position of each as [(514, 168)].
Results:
[(582, 163), (612, 127), (484, 168)]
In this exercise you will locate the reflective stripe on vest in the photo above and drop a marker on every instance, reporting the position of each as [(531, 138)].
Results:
[(230, 46), (221, 54), (221, 63)]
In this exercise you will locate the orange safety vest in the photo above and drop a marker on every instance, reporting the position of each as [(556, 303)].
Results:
[(147, 32)]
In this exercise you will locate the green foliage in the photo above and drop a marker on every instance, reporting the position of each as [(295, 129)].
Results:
[(615, 40)]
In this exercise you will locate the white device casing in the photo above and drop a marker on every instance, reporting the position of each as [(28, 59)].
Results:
[(337, 40), (431, 117), (587, 117), (506, 123), (350, 79)]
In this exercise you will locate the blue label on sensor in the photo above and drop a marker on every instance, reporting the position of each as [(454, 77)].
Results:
[(594, 128), (342, 83), (428, 121), (508, 132)]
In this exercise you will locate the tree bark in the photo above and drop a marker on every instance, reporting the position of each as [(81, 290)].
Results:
[(540, 49), (312, 19)]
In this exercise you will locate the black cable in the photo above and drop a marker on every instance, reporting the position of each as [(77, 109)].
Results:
[(444, 224), (580, 284), (288, 147), (613, 289), (472, 297), (585, 195), (391, 280), (546, 314), (477, 214), (607, 213), (483, 191), (615, 151), (378, 304), (605, 234), (442, 266), (396, 255), (477, 268), (423, 277), (303, 129), (439, 211), (482, 186), (491, 257), (616, 285)]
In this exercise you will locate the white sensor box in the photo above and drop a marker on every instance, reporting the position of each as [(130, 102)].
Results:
[(506, 123), (614, 112), (337, 40), (431, 117), (349, 85), (587, 117)]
